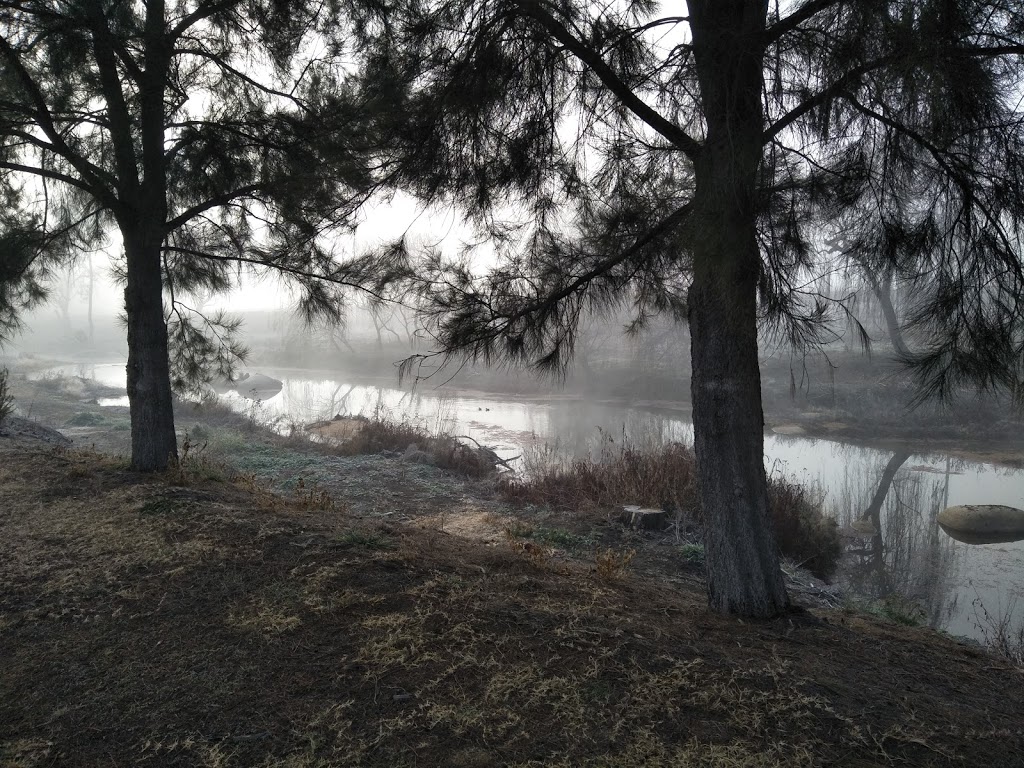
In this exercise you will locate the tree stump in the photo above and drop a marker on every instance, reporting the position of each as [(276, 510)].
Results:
[(644, 519)]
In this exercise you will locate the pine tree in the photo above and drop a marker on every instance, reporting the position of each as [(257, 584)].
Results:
[(212, 135), (693, 165)]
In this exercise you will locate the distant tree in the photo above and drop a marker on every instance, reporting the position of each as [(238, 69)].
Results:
[(62, 292), (881, 284), (690, 164), (213, 135)]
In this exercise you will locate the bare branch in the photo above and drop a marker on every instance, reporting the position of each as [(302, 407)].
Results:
[(673, 133)]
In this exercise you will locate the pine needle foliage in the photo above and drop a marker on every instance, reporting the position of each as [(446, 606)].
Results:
[(570, 133), (234, 128)]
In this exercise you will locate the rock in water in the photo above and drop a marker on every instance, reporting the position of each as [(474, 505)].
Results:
[(983, 523), (257, 386)]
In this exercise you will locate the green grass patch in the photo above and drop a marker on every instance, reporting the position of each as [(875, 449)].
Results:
[(86, 419), (692, 553), (895, 608), (363, 539), (553, 537), (160, 505)]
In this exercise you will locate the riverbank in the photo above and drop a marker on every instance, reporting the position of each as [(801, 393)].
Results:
[(911, 569), (194, 618), (868, 406)]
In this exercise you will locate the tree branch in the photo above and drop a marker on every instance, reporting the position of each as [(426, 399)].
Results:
[(787, 24), (289, 270), (673, 133), (837, 88), (95, 177), (117, 107), (204, 11), (943, 162), (667, 224), (211, 203), (43, 173), (220, 62)]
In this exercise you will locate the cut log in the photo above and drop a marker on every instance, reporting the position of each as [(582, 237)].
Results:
[(644, 519)]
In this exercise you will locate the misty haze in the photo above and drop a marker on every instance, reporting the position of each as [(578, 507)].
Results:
[(462, 383)]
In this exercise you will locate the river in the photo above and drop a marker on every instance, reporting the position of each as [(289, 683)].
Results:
[(907, 553)]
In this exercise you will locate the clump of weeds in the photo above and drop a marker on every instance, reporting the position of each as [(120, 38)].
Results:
[(611, 565)]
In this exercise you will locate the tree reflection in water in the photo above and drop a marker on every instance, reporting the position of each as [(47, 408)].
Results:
[(894, 545)]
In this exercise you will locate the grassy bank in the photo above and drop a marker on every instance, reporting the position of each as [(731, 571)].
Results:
[(184, 619)]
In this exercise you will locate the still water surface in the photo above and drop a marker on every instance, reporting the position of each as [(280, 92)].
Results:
[(895, 497)]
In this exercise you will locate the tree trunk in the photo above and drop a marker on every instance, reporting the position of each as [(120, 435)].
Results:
[(883, 292), (154, 443), (743, 571)]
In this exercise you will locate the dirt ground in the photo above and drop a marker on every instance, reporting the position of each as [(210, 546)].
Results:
[(196, 618)]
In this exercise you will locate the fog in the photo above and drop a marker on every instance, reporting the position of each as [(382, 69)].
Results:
[(831, 415)]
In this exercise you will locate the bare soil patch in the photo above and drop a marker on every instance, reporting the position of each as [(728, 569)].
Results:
[(184, 619)]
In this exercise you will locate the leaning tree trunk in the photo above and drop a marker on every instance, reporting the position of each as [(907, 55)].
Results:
[(743, 570), (149, 383), (883, 292)]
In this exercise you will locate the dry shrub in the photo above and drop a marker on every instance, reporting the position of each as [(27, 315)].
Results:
[(666, 477), (536, 553), (998, 632), (802, 532), (376, 435), (317, 499), (611, 565), (417, 444), (622, 473), (194, 466)]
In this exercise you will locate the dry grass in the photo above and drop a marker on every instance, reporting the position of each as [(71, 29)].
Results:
[(1000, 634), (151, 624), (610, 564), (665, 477), (360, 435), (803, 533), (620, 473)]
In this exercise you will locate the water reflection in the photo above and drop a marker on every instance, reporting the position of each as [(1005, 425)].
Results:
[(897, 547), (980, 538)]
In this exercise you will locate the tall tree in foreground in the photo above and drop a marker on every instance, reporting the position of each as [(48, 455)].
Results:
[(691, 163), (212, 135)]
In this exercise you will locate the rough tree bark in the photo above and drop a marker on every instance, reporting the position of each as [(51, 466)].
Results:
[(143, 225), (154, 443), (743, 569)]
